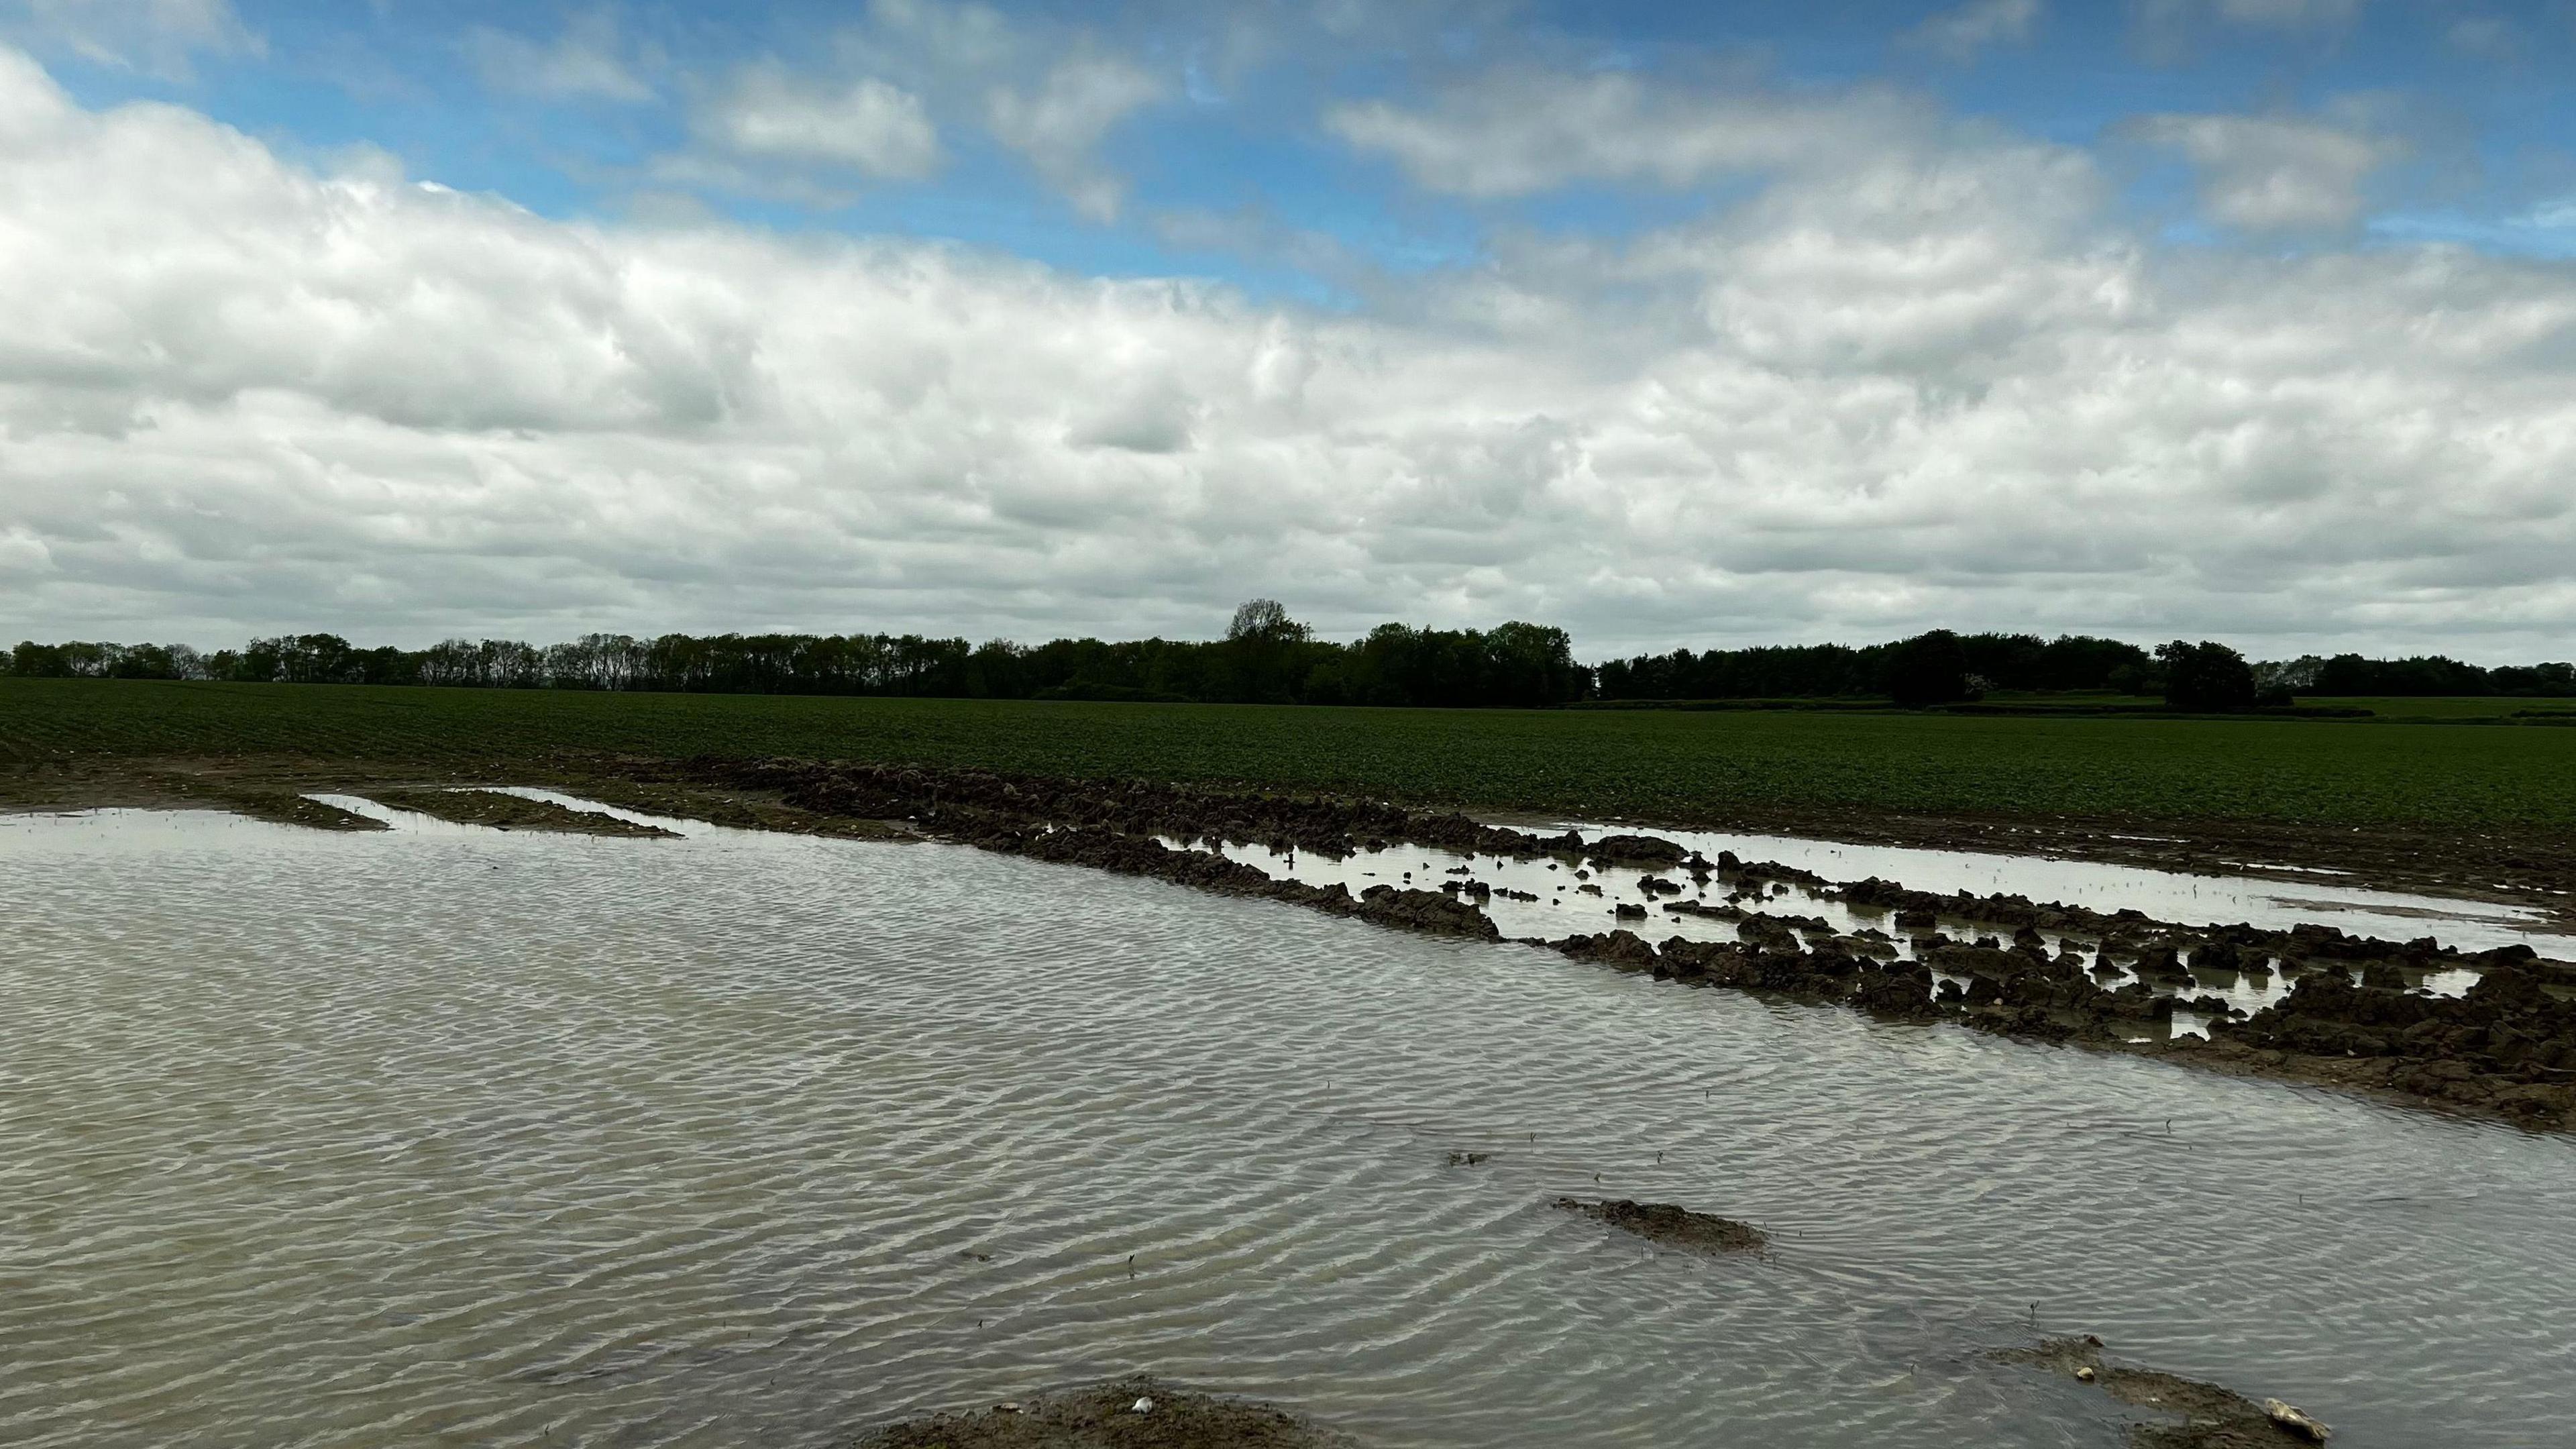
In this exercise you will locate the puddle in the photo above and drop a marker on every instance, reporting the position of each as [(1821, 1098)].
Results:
[(2175, 896), (447, 1134), (1549, 900)]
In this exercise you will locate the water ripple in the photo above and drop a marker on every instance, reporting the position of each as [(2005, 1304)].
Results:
[(455, 1136)]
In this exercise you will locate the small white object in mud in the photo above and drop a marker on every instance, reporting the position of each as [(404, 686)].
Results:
[(2295, 1421), (2084, 1372), (1146, 1406)]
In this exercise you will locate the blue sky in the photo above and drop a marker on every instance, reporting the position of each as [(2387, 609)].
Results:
[(2478, 92), (1671, 323)]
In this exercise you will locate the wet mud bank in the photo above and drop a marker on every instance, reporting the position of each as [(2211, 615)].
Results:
[(2517, 866), (513, 812), (2506, 1047), (1130, 1413), (2210, 1417), (253, 795)]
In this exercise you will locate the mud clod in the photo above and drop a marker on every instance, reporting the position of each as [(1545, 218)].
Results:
[(1677, 1227), (1106, 1416), (1647, 850)]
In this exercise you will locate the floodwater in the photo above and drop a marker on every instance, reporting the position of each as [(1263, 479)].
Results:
[(458, 1136), (2182, 897), (1542, 899), (2175, 897)]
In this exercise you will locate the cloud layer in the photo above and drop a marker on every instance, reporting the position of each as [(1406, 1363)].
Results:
[(2273, 173), (1890, 386)]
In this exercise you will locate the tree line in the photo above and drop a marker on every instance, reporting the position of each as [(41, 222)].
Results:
[(1930, 668), (1943, 667), (1267, 657)]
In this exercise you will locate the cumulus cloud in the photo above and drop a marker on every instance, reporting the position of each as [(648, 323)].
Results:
[(587, 62), (1976, 26), (2169, 29), (862, 124), (2272, 173), (1512, 133), (2491, 37), (1051, 94), (155, 36), (1059, 123), (2287, 14), (238, 394)]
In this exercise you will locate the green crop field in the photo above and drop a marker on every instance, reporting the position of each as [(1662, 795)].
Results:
[(2506, 707), (1679, 767)]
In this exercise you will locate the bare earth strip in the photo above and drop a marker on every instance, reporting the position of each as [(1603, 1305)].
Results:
[(513, 812), (1135, 1413)]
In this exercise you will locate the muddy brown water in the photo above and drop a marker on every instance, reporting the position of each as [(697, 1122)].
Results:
[(446, 1135)]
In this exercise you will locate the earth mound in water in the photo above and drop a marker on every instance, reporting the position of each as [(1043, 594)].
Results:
[(1678, 1227), (2212, 1417), (1106, 1416), (514, 812)]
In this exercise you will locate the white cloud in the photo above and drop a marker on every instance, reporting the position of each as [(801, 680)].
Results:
[(1978, 25), (1517, 132), (23, 554), (2287, 14), (864, 124), (2169, 30), (156, 36), (587, 62), (2491, 36), (1050, 94), (1059, 123), (2272, 173), (1939, 385)]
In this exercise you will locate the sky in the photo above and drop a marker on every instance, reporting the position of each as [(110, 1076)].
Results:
[(1669, 324)]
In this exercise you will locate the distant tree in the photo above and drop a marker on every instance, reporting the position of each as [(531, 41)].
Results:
[(1531, 664), (2538, 679), (1265, 650), (2351, 674), (38, 661), (85, 659), (1263, 619), (2206, 676), (2293, 676), (1928, 669), (2147, 678)]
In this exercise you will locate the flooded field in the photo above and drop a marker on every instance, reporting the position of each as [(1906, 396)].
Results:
[(1540, 899), (2197, 900), (454, 1135)]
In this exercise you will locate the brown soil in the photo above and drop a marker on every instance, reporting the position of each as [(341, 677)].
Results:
[(734, 809), (1103, 1417), (259, 797), (1675, 1227), (284, 807), (273, 789), (2534, 869), (2211, 1417), (512, 812)]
